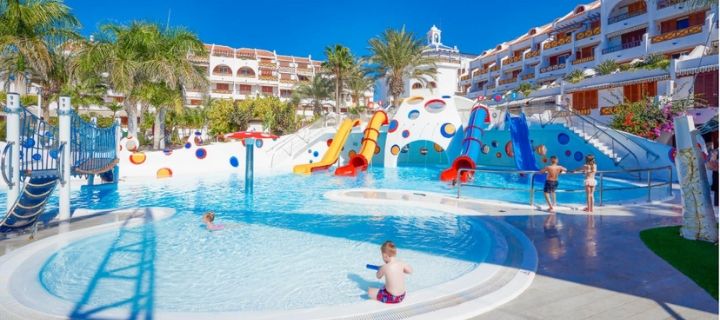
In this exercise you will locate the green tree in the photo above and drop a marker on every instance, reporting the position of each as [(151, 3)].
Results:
[(653, 61), (317, 90), (221, 117), (358, 82), (339, 62), (525, 88), (397, 56), (607, 67), (575, 76)]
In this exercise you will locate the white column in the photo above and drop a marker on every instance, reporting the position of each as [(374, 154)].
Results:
[(64, 110), (13, 136)]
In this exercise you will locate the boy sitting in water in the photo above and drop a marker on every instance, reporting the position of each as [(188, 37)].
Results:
[(551, 182), (394, 272), (208, 219)]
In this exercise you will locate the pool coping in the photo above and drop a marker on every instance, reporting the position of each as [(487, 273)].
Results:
[(23, 297)]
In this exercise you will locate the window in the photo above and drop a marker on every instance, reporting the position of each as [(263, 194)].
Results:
[(267, 90), (285, 93), (244, 88), (246, 72), (266, 72), (595, 24), (682, 23), (632, 37), (706, 88), (515, 73), (222, 70), (432, 84), (584, 101), (586, 52), (302, 65), (636, 7), (222, 86), (303, 78), (639, 91), (417, 86), (195, 102)]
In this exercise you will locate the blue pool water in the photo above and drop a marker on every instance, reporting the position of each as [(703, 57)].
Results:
[(288, 248)]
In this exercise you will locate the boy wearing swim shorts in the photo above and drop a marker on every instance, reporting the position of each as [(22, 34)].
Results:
[(551, 182), (394, 272)]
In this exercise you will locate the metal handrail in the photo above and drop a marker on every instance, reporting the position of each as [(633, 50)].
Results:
[(8, 148), (600, 174), (61, 162)]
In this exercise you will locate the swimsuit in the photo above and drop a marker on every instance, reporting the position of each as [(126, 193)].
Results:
[(386, 297), (590, 182), (550, 186), (590, 176)]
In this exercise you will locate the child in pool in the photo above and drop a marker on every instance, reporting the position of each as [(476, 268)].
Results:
[(553, 171), (208, 219), (589, 169), (394, 272)]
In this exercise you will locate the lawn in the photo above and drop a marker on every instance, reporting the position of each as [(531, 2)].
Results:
[(698, 260)]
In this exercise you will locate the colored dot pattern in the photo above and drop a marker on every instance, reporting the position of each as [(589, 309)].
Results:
[(200, 153)]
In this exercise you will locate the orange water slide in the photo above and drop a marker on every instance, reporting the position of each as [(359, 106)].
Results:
[(361, 160), (333, 152)]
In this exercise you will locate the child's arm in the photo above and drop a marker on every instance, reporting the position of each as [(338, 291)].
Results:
[(407, 268), (381, 272)]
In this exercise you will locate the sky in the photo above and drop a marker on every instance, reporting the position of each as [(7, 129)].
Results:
[(305, 28)]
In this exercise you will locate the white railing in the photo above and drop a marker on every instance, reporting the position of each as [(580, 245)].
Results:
[(289, 146)]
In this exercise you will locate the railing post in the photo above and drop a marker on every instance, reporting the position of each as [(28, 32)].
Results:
[(12, 131), (64, 113), (649, 181), (600, 199), (459, 182), (532, 189), (118, 137), (670, 181)]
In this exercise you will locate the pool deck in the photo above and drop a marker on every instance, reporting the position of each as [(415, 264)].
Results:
[(589, 266)]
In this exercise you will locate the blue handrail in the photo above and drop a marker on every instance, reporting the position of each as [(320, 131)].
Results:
[(38, 145), (92, 148)]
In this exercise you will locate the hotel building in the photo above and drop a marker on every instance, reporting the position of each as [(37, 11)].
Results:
[(620, 30)]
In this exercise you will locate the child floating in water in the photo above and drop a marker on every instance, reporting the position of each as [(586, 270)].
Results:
[(208, 219), (394, 272)]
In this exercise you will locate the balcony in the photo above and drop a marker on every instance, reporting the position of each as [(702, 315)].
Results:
[(304, 71), (495, 68), (223, 54), (511, 60), (265, 64), (677, 34), (290, 81), (667, 3), (465, 77), (198, 59), (245, 56), (532, 54), (507, 81), (623, 46), (583, 60), (527, 76), (268, 78), (553, 68), (484, 71), (222, 91), (588, 33), (286, 69), (222, 74), (625, 16), (556, 43)]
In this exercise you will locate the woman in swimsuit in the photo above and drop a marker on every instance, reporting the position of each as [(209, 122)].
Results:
[(589, 169)]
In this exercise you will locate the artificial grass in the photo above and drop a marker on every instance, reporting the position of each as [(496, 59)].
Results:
[(698, 260)]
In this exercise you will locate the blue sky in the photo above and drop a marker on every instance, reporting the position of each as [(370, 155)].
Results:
[(306, 27)]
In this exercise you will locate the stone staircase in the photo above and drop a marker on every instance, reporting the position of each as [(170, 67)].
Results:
[(599, 145)]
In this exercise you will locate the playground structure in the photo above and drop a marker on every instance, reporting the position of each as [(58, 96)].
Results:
[(39, 156), (471, 145), (360, 161), (333, 153)]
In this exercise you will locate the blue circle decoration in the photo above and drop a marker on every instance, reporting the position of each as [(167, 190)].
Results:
[(48, 134), (36, 157), (446, 97), (315, 154), (405, 133), (393, 126), (493, 144), (413, 114), (200, 153), (29, 143), (310, 161), (258, 143), (568, 153), (578, 156), (53, 153), (234, 161), (197, 133), (188, 145), (447, 130), (309, 151), (563, 138)]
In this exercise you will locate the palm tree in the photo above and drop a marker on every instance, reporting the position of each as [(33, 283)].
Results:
[(114, 107), (398, 55), (339, 62), (32, 34), (358, 82), (607, 67), (525, 88), (162, 98), (317, 90), (575, 76)]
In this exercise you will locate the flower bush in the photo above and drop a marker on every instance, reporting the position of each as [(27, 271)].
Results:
[(648, 118)]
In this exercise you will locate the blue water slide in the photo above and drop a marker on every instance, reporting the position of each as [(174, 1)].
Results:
[(471, 144), (522, 148)]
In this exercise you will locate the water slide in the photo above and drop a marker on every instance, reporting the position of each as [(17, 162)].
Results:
[(471, 145), (333, 152), (361, 160), (520, 137)]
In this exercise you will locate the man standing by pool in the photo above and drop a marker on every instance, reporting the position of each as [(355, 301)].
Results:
[(551, 182)]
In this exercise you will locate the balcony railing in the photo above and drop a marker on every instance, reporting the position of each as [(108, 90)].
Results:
[(245, 92), (198, 59), (465, 77), (222, 54), (625, 16), (484, 71), (286, 69), (623, 46), (506, 81), (288, 81), (266, 64), (304, 71), (553, 68), (245, 56), (583, 60), (667, 3), (495, 68), (527, 76), (223, 91), (677, 34), (588, 33), (222, 74), (531, 54), (512, 60), (556, 43), (246, 75), (267, 78)]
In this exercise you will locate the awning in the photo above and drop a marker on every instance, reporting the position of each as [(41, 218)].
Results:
[(696, 70), (526, 101), (619, 84)]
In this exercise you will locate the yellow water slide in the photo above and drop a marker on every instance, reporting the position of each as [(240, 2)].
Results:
[(333, 152), (360, 161)]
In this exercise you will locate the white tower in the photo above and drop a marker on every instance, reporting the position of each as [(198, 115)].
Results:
[(434, 37)]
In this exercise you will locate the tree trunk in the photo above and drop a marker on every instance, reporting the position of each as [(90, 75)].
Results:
[(159, 129), (337, 94), (44, 106), (132, 125)]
